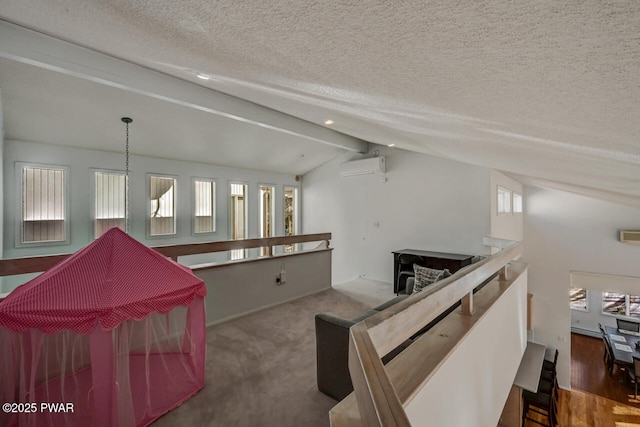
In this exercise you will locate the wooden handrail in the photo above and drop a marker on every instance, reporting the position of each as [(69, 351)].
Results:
[(376, 396), (174, 251), (377, 399), (37, 264)]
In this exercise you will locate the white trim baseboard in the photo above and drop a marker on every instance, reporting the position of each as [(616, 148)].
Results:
[(588, 332)]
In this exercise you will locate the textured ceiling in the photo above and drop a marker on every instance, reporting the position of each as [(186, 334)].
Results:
[(44, 106), (546, 90)]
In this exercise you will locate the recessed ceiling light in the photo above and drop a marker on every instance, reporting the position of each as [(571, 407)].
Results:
[(391, 145), (202, 76), (328, 122)]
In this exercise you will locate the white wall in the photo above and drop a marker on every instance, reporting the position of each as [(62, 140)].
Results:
[(480, 376), (236, 289), (81, 160), (588, 320), (564, 232), (426, 203), (505, 226)]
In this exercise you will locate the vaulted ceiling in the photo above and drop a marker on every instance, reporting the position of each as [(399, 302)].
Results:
[(546, 91)]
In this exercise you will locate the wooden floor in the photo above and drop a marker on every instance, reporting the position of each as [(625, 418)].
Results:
[(580, 409), (596, 399), (589, 374)]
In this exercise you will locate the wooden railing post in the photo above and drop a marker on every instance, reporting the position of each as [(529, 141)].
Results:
[(467, 304), (503, 273)]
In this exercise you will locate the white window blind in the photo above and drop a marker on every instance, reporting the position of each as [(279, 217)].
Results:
[(204, 209), (110, 202), (237, 189), (43, 204)]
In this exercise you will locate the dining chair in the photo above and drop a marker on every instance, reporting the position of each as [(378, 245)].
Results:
[(602, 331), (541, 403), (548, 365), (608, 358), (548, 383), (634, 375), (627, 325), (612, 361)]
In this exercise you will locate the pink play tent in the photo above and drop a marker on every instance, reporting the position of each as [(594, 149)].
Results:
[(112, 336)]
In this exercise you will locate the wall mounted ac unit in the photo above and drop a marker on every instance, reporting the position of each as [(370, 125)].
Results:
[(627, 236), (363, 167)]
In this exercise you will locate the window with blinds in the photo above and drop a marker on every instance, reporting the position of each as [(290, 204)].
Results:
[(162, 206), (110, 202), (204, 195), (43, 202)]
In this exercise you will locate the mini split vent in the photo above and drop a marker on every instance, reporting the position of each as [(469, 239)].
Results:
[(627, 236), (368, 166)]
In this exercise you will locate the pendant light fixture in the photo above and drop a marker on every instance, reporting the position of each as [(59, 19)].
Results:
[(126, 121)]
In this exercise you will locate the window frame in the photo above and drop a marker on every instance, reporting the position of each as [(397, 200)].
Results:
[(148, 203), (513, 203), (94, 171), (627, 304), (272, 207), (234, 253), (586, 309), (296, 217), (66, 173), (214, 208)]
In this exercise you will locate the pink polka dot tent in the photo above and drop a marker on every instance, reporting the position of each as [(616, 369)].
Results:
[(115, 333)]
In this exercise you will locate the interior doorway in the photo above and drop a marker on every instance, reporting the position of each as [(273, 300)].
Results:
[(599, 299)]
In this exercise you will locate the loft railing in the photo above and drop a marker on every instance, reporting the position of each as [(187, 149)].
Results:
[(37, 264), (376, 396), (175, 251)]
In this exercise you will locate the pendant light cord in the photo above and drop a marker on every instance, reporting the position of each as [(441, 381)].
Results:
[(126, 120)]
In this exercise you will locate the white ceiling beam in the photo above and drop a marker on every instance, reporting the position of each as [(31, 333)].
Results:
[(606, 195), (20, 44)]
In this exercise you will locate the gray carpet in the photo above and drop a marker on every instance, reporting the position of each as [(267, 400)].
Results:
[(261, 368)]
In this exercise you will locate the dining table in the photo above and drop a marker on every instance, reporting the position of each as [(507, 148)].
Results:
[(623, 344)]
